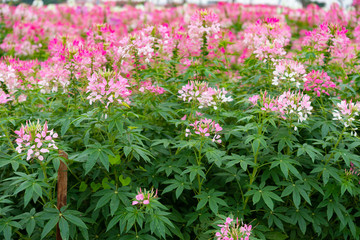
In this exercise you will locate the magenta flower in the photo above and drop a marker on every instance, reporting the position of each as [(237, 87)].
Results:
[(204, 22), (329, 38), (4, 98), (319, 82)]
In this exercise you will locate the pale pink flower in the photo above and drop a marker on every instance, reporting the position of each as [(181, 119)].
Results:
[(288, 71), (233, 230), (267, 38), (205, 128), (35, 139), (203, 95), (347, 113)]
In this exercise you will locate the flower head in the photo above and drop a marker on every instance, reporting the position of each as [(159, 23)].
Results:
[(36, 139), (232, 229), (319, 82), (145, 197), (204, 95), (347, 113), (205, 128)]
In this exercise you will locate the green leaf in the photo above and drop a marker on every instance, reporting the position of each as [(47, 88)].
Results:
[(7, 232), (114, 204), (64, 229), (28, 195), (113, 221), (214, 155), (201, 204), (82, 186), (91, 161), (49, 226), (256, 197), (65, 126), (268, 201), (114, 160), (104, 159), (95, 186), (103, 200), (125, 181), (30, 226), (75, 220)]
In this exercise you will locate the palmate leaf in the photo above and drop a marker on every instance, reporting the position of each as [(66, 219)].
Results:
[(194, 170), (179, 183), (265, 193), (97, 152), (286, 164), (297, 189), (211, 198), (309, 150)]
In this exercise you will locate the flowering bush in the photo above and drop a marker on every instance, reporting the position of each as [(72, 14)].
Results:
[(235, 112)]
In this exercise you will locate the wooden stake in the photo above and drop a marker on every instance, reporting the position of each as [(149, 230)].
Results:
[(61, 188)]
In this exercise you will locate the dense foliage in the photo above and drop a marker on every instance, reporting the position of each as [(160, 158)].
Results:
[(234, 122)]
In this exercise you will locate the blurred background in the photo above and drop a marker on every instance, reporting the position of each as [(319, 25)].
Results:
[(288, 3)]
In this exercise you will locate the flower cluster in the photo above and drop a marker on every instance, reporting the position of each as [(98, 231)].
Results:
[(289, 105), (144, 197), (319, 82), (294, 105), (147, 86), (204, 22), (329, 38), (206, 96), (205, 128), (267, 38), (36, 140), (108, 88), (4, 98), (346, 113), (233, 230), (288, 71), (353, 171)]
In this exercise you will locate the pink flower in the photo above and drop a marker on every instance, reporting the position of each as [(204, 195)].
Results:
[(289, 105), (319, 82), (233, 230), (253, 99), (147, 86), (203, 95), (144, 197), (346, 113), (205, 127), (267, 38), (108, 90), (35, 139)]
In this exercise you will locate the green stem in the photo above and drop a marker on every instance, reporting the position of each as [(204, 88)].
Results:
[(336, 144), (199, 164), (332, 154), (8, 138), (253, 175)]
